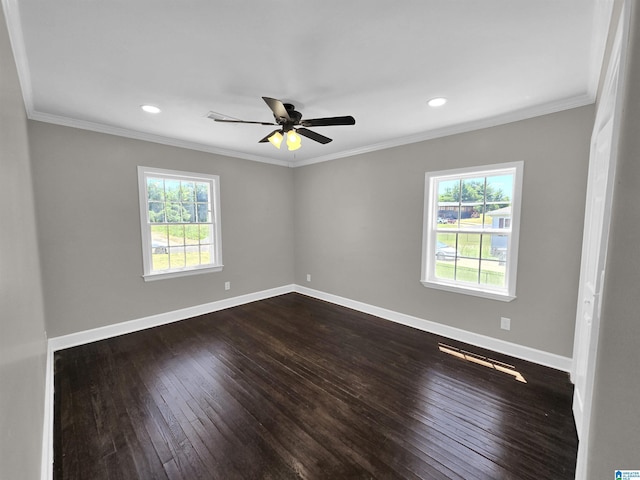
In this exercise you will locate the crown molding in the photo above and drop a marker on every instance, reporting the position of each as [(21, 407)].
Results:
[(148, 137), (12, 14), (602, 18), (16, 38), (510, 117)]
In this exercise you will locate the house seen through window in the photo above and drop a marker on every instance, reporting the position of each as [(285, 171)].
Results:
[(471, 230), (180, 222)]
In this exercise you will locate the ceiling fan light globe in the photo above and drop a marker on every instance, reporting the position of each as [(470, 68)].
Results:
[(294, 141), (276, 139)]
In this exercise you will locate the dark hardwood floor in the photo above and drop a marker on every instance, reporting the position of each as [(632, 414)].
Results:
[(293, 387)]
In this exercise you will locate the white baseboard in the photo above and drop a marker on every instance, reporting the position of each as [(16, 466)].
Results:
[(512, 349), (109, 331), (80, 338), (101, 333)]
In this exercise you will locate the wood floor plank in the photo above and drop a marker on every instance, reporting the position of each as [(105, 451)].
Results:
[(296, 388)]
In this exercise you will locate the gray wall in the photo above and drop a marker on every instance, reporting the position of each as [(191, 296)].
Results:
[(22, 325), (615, 427), (89, 227), (358, 227)]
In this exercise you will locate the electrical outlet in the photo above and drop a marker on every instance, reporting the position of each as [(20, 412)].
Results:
[(505, 323), (308, 277), (227, 285)]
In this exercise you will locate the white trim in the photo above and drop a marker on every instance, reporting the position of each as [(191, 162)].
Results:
[(46, 467), (476, 292), (17, 42), (148, 137), (80, 338), (428, 277), (16, 38), (519, 351), (216, 229), (510, 117), (608, 112), (516, 116), (182, 273), (471, 126), (512, 349), (600, 32), (122, 328)]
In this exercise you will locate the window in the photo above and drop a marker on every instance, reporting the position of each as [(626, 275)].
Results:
[(180, 217), (471, 223)]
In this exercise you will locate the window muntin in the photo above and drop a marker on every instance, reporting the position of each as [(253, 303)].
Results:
[(471, 230), (180, 219)]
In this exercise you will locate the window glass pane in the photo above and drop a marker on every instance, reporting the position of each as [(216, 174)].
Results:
[(193, 256), (206, 234), (177, 257), (190, 234), (496, 247), (466, 211), (176, 235), (445, 270), (203, 213), (448, 217), (469, 245), (494, 265), (467, 270), (499, 197), (202, 192), (471, 217), (448, 202), (472, 206), (180, 217), (173, 212), (188, 212), (205, 255), (155, 189), (446, 256), (448, 191), (472, 193), (493, 273), (187, 192), (156, 212), (172, 190), (446, 247), (500, 188), (159, 239), (160, 261)]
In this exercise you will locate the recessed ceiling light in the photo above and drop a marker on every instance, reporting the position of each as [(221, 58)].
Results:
[(150, 108), (437, 102)]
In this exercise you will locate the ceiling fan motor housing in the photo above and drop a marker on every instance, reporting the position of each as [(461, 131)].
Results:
[(294, 116)]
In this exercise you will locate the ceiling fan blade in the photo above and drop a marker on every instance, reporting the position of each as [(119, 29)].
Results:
[(242, 121), (266, 139), (329, 121), (313, 135), (277, 107)]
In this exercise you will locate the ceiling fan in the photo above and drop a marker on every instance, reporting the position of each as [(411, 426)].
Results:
[(292, 125)]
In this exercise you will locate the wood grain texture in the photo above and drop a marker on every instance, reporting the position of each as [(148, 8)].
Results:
[(294, 387)]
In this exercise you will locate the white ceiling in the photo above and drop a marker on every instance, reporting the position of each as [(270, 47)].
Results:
[(92, 63)]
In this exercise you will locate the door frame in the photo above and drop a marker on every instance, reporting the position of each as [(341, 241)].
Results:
[(585, 355)]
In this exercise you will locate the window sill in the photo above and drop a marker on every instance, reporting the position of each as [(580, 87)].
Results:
[(476, 292), (181, 273)]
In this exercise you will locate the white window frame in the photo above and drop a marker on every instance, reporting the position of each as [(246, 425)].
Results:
[(147, 247), (429, 237)]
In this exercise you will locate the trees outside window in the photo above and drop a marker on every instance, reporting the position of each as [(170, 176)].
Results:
[(180, 221), (470, 230)]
